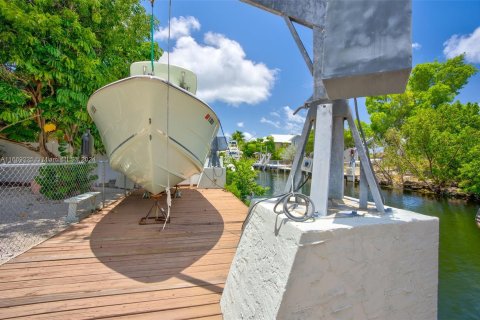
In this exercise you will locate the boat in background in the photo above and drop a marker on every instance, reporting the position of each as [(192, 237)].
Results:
[(233, 151), (154, 129)]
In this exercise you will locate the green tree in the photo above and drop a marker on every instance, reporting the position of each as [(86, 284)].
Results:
[(55, 54), (269, 146), (436, 141), (288, 153), (258, 145), (469, 171), (348, 137), (241, 182), (425, 132), (429, 86), (239, 137)]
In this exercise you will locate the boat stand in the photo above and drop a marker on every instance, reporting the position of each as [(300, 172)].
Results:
[(160, 213)]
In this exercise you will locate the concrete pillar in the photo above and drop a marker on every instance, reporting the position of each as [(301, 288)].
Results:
[(336, 159), (371, 267), (321, 158)]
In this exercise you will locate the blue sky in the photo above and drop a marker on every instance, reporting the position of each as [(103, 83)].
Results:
[(252, 74)]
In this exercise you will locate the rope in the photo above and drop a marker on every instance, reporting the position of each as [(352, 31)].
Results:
[(169, 196), (152, 46), (284, 200)]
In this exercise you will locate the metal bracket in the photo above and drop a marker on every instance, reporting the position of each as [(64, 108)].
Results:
[(299, 43), (367, 170)]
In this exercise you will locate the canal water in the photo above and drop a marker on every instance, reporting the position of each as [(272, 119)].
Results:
[(459, 256)]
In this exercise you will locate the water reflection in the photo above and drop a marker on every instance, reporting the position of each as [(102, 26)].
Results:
[(459, 256)]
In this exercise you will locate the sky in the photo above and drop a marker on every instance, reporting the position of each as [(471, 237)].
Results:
[(252, 74)]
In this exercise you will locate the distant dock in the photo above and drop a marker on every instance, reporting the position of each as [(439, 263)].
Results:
[(350, 174)]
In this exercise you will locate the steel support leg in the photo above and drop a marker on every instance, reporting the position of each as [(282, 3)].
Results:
[(296, 170), (321, 158), (377, 198), (336, 159)]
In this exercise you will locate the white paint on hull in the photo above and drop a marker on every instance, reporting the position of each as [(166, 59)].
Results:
[(131, 116)]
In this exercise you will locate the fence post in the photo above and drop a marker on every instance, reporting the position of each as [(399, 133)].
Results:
[(103, 183)]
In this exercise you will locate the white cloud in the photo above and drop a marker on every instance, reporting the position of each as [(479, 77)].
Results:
[(248, 136), (240, 124), (223, 70), (464, 44), (289, 123), (179, 27), (294, 122), (416, 46), (276, 124)]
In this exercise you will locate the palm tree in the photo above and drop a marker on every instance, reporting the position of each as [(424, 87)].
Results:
[(239, 137)]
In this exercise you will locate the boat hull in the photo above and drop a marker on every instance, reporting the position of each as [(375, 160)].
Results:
[(154, 132)]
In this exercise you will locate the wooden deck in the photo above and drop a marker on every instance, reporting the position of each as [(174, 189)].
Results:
[(108, 266)]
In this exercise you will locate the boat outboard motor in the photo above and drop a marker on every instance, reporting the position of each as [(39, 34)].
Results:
[(214, 160), (87, 145)]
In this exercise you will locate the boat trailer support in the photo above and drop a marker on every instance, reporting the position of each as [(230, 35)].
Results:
[(161, 216)]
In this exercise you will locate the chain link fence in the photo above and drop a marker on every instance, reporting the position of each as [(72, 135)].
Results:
[(33, 193)]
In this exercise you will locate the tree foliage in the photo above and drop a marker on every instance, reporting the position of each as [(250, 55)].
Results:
[(60, 181), (348, 137), (239, 137), (55, 54), (260, 145), (241, 181), (428, 134)]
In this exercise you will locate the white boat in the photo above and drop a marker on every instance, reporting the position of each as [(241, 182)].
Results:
[(154, 131), (233, 150)]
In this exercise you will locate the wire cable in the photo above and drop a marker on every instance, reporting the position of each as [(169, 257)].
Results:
[(152, 46), (284, 200), (169, 198)]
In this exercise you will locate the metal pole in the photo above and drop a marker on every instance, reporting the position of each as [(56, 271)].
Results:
[(103, 184), (364, 189), (369, 175), (321, 158), (296, 168), (299, 43)]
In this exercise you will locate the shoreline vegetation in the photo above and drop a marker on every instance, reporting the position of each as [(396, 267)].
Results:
[(451, 192)]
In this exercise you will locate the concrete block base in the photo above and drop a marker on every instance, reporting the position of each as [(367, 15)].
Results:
[(370, 267), (212, 178)]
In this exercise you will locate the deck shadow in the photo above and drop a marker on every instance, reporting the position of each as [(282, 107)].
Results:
[(145, 253)]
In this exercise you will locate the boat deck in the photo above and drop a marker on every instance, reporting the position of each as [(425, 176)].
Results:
[(109, 266)]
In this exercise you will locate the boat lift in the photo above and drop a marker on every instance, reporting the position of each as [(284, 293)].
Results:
[(353, 56)]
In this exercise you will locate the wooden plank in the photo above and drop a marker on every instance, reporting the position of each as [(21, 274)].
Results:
[(35, 265), (109, 300), (171, 306), (108, 266), (56, 271), (137, 275), (107, 291), (215, 317), (177, 314)]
